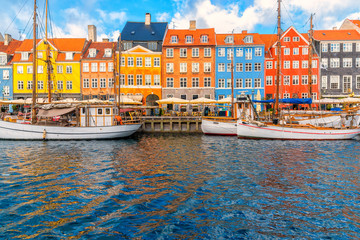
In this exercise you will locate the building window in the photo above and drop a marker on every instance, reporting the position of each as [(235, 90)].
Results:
[(170, 82), (324, 63), (324, 47), (157, 80), (295, 51), (314, 79), (102, 67), (258, 52), (130, 79), (86, 83), (204, 39), (6, 91), (40, 85), (20, 85), (228, 68), (304, 95), (229, 39), (269, 80), (40, 69), (69, 69), (230, 53), (221, 83), (248, 39), (183, 67), (228, 83), (269, 65), (295, 80), (248, 67), (139, 62), (169, 52), (183, 82), (207, 82), (248, 83), (286, 95), (94, 83), (334, 82), (295, 64), (334, 62), (102, 82), (207, 52), (207, 67), (29, 69), (92, 52), (239, 52), (183, 52), (69, 56), (195, 82), (221, 67), (296, 39), (188, 39), (238, 83), (139, 80), (148, 62), (347, 84), (221, 52), (156, 62), (335, 47), (357, 62), (147, 80), (122, 63), (286, 80), (60, 85), (304, 80), (127, 45), (257, 82), (169, 67), (122, 81), (239, 67), (94, 67), (195, 52), (20, 69), (248, 53), (69, 85), (358, 82), (305, 51), (324, 82), (195, 67), (130, 61), (59, 69), (347, 62), (6, 74), (111, 66), (152, 45), (29, 84), (3, 59), (24, 56), (286, 64), (257, 67), (347, 47), (85, 67), (305, 64), (173, 39), (286, 39), (286, 51)]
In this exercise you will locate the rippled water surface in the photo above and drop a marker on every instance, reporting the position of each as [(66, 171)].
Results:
[(179, 187)]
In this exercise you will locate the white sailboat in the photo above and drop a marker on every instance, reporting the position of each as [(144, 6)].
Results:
[(91, 121), (280, 129)]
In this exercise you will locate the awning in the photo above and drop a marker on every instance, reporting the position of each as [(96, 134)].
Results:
[(54, 112), (287, 100)]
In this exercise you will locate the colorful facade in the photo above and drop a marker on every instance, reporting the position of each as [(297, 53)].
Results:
[(65, 54), (189, 63), (97, 71), (294, 77), (247, 51)]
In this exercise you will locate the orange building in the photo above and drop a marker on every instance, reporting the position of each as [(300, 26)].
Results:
[(97, 75), (189, 63)]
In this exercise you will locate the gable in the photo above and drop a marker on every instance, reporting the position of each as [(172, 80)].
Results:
[(139, 49)]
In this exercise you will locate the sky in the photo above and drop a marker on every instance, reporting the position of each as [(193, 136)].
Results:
[(70, 18)]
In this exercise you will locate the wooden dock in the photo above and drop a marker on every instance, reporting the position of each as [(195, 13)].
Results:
[(169, 124)]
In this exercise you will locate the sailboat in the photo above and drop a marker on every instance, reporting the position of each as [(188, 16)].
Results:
[(280, 129), (81, 121)]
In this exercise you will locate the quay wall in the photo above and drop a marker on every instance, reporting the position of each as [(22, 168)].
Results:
[(171, 124)]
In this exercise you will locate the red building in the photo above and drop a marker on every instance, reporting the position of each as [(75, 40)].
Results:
[(294, 74)]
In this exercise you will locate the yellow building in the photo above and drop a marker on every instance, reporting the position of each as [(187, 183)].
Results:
[(140, 74), (65, 79)]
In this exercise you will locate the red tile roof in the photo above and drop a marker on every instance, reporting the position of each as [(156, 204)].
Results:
[(100, 50), (239, 39), (356, 22), (329, 35), (11, 48), (196, 34)]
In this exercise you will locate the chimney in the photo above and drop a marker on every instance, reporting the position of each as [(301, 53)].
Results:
[(8, 39), (244, 31), (334, 28), (147, 19), (105, 40), (192, 25), (1, 38), (92, 33)]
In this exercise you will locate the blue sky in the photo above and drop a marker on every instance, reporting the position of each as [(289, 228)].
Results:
[(70, 18)]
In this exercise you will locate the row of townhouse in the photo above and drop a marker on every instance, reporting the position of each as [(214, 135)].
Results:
[(157, 62)]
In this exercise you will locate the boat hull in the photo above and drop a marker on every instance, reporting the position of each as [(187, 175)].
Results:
[(249, 130), (225, 127), (18, 131)]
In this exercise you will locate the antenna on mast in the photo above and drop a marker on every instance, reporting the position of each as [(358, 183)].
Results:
[(276, 108)]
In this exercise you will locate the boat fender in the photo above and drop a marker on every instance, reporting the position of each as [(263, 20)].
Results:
[(44, 134)]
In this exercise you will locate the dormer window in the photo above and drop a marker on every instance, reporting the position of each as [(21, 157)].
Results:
[(229, 39), (174, 39), (39, 55), (188, 39), (248, 39), (108, 52), (152, 45), (127, 45), (204, 39), (92, 52), (3, 59), (24, 56), (69, 56)]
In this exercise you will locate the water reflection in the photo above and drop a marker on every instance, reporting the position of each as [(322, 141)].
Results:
[(187, 186)]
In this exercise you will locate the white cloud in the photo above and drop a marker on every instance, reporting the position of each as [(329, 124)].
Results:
[(162, 17)]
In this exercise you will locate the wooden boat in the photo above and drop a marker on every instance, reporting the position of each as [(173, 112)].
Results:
[(219, 126)]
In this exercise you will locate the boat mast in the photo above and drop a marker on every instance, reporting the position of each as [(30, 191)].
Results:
[(114, 72), (310, 57), (48, 61), (276, 110), (232, 77), (33, 110), (119, 49)]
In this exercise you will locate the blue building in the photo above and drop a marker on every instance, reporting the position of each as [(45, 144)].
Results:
[(248, 65), (7, 50)]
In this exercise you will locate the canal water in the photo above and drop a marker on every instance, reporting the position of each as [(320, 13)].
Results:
[(179, 187)]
